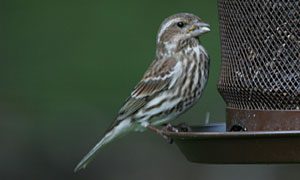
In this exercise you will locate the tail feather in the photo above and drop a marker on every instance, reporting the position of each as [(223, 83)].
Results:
[(115, 132)]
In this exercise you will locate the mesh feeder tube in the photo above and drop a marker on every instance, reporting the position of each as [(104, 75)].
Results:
[(260, 72), (260, 83)]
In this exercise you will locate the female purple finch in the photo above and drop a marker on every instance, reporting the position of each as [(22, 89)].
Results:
[(172, 84)]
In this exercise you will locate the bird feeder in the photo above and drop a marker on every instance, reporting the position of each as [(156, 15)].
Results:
[(260, 83)]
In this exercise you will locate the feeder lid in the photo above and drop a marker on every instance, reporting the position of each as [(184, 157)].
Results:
[(212, 144)]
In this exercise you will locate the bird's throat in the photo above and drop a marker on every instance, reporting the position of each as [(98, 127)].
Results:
[(167, 49)]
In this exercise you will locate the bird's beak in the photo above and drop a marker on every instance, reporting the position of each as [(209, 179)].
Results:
[(199, 28)]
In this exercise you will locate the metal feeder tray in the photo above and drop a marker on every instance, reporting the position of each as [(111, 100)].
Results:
[(212, 144)]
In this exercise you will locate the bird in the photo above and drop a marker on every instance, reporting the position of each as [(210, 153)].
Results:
[(173, 83)]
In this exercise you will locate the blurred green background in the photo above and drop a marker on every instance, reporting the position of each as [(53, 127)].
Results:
[(66, 68)]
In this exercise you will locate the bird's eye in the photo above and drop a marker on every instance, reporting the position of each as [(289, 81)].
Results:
[(180, 24)]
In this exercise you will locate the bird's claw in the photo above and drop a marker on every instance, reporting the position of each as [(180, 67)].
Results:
[(183, 127), (169, 127), (161, 133)]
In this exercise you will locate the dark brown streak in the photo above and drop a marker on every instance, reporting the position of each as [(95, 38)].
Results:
[(157, 105), (192, 76)]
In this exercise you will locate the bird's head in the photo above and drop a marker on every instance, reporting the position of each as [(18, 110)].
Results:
[(180, 27)]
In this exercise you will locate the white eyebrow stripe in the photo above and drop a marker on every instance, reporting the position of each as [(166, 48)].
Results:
[(164, 27)]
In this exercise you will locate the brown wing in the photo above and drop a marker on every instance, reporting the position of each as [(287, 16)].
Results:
[(156, 79)]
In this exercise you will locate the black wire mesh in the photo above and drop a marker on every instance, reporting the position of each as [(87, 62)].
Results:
[(260, 42)]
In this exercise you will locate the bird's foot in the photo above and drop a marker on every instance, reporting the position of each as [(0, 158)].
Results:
[(160, 132), (183, 127), (169, 127)]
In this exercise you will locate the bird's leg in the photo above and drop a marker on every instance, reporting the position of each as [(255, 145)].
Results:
[(160, 132)]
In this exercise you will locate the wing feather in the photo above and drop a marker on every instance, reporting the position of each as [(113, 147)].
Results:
[(156, 79)]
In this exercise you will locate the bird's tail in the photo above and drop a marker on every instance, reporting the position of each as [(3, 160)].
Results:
[(118, 130)]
